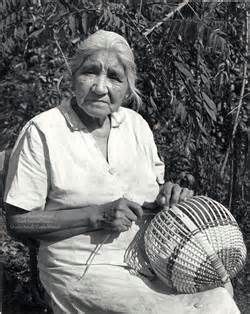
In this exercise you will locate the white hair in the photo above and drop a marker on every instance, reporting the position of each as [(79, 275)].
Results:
[(109, 41)]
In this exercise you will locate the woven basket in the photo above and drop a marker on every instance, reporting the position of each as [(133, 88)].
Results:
[(195, 245)]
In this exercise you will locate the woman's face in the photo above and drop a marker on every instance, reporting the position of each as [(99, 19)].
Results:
[(100, 84)]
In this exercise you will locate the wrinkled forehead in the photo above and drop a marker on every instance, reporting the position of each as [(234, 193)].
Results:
[(104, 59), (117, 51)]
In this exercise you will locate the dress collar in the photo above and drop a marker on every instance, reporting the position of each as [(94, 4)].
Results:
[(74, 122)]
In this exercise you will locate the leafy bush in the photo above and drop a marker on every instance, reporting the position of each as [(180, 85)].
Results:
[(191, 64)]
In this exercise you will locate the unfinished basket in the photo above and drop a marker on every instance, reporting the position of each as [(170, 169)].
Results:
[(195, 245)]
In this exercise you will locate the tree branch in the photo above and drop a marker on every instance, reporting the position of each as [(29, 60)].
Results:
[(242, 94), (63, 55), (168, 16)]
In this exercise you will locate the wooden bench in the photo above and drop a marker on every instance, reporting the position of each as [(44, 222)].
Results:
[(38, 292), (3, 166), (1, 283)]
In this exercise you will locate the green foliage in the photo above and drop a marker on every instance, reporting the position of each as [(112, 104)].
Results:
[(189, 72)]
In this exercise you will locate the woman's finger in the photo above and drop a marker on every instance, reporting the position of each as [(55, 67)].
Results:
[(175, 196), (190, 193), (161, 200), (120, 225), (171, 194), (136, 208), (126, 222), (167, 192), (123, 228), (130, 215), (185, 193)]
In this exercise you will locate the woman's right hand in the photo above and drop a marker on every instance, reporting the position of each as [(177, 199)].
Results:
[(117, 216)]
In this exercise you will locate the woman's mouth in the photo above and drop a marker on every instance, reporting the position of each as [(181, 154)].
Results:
[(97, 101)]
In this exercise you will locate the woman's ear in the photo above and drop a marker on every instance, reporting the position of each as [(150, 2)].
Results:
[(126, 99), (128, 94)]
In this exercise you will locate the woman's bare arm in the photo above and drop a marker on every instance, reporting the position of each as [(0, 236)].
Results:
[(116, 216), (51, 225)]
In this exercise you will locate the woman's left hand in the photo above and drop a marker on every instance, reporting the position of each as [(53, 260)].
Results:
[(171, 194)]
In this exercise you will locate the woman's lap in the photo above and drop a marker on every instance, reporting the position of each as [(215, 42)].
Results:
[(112, 289)]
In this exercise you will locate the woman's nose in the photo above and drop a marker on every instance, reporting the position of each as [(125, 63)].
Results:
[(100, 85)]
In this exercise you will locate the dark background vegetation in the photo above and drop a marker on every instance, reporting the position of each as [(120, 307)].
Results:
[(191, 71)]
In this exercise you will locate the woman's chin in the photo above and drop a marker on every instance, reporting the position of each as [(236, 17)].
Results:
[(96, 111), (100, 114)]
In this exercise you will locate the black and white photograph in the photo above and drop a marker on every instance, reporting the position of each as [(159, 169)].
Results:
[(124, 157)]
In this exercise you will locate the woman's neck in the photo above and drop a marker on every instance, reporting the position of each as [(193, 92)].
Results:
[(92, 123)]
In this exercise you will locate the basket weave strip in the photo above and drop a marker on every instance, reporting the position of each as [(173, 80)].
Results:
[(195, 245), (208, 207), (203, 241), (135, 256), (196, 214)]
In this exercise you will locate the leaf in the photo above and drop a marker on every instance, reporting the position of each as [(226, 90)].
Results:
[(181, 112), (152, 102), (202, 128), (181, 68), (85, 22), (205, 80), (117, 21), (37, 32), (210, 112), (75, 40), (72, 24), (204, 139), (209, 106), (209, 101), (217, 42)]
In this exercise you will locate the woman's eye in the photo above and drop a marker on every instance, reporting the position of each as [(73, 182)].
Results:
[(115, 77), (86, 72), (89, 70)]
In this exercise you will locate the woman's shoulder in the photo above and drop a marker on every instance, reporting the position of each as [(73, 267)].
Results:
[(47, 118), (51, 119), (40, 123), (134, 117)]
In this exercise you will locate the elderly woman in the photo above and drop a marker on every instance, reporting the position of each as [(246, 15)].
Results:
[(82, 178)]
